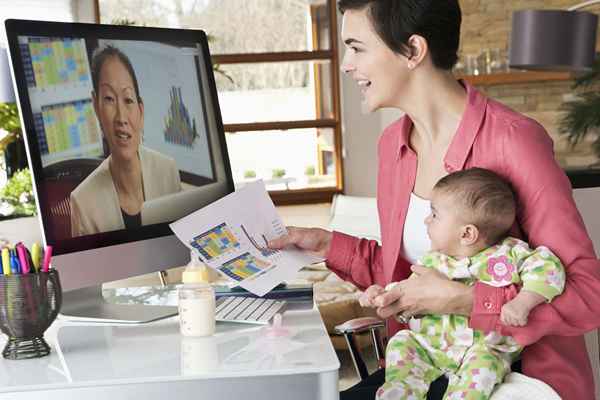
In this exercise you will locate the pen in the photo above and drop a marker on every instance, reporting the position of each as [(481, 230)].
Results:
[(15, 268), (20, 248), (6, 261), (36, 253), (47, 257), (32, 269)]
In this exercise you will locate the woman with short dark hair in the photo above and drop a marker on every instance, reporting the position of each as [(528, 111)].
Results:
[(400, 53)]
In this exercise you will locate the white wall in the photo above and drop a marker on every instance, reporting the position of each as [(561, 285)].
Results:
[(84, 10), (587, 203), (359, 139), (360, 133)]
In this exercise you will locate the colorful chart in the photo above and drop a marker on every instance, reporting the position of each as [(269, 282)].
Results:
[(57, 61), (67, 126), (243, 267), (215, 242), (180, 128)]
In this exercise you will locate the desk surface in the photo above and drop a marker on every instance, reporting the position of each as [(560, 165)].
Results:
[(85, 356)]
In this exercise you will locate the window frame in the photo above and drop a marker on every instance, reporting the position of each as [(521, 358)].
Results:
[(308, 195)]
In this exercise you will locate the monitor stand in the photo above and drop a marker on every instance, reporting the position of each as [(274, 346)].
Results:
[(88, 304)]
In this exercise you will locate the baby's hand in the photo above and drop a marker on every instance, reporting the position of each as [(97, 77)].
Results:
[(366, 299), (516, 311), (513, 314)]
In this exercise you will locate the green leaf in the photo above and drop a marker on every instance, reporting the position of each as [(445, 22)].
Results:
[(18, 192), (9, 118), (582, 116), (588, 78)]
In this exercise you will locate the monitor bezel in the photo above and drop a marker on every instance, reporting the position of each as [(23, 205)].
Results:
[(16, 28)]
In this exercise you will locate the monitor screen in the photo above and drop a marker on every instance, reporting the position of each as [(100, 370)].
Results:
[(123, 129)]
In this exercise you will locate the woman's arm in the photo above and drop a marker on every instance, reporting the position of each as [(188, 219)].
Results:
[(353, 259), (356, 260), (548, 216)]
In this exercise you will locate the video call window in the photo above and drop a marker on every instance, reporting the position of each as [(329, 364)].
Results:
[(106, 110)]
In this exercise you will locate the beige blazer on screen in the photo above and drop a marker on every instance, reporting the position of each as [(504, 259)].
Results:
[(95, 204)]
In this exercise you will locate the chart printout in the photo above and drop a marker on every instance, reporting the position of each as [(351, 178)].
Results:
[(231, 235)]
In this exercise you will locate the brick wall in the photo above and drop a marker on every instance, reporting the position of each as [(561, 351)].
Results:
[(486, 24)]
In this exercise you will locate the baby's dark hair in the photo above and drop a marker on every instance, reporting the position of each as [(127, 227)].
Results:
[(101, 55), (484, 199)]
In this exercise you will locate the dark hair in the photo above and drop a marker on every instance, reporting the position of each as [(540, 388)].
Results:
[(484, 198), (438, 21), (101, 55)]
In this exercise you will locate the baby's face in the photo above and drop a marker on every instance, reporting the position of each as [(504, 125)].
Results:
[(443, 224)]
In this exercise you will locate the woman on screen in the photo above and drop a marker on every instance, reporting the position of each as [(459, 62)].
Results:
[(111, 197)]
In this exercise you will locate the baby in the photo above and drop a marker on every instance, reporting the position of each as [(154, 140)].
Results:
[(472, 212)]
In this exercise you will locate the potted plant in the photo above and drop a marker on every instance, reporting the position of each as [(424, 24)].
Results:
[(18, 199), (278, 173), (582, 115)]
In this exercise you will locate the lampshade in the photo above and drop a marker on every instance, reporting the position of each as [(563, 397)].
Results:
[(553, 40), (7, 95)]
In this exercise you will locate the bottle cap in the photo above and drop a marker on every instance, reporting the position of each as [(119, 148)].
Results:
[(195, 272)]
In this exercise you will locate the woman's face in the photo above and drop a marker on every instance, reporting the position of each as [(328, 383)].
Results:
[(380, 73), (120, 114)]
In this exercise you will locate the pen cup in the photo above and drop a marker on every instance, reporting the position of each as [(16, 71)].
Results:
[(29, 303)]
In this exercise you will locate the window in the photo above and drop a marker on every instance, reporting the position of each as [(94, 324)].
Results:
[(55, 10), (277, 77)]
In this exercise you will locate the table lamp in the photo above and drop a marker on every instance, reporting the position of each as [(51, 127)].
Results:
[(554, 39), (7, 94)]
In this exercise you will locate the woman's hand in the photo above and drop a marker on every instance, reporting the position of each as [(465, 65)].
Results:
[(315, 240), (426, 292)]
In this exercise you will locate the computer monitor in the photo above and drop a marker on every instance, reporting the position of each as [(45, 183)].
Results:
[(124, 135)]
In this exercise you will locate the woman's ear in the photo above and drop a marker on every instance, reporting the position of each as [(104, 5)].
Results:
[(469, 235), (418, 49)]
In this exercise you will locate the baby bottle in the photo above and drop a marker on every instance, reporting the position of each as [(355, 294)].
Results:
[(196, 301)]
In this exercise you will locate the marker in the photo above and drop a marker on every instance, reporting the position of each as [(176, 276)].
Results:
[(6, 261), (32, 269), (36, 256), (15, 268), (22, 258), (47, 257)]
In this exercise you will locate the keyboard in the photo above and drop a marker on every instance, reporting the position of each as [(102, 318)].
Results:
[(250, 310)]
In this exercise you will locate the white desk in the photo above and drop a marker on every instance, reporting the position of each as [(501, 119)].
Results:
[(154, 361)]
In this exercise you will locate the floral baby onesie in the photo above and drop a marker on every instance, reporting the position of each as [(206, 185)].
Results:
[(474, 361)]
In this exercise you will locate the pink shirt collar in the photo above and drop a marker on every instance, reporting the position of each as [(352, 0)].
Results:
[(467, 131)]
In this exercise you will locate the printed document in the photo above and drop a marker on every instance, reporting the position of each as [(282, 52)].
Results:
[(231, 235)]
